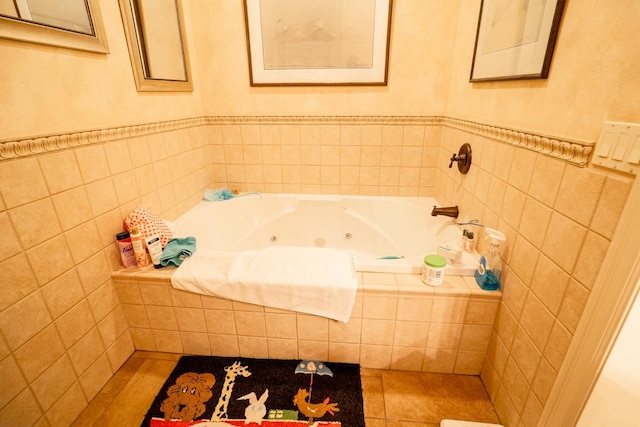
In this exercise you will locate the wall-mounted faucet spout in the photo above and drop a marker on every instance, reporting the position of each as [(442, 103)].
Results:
[(451, 211)]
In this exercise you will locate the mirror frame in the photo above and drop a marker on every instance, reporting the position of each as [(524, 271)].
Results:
[(143, 83), (28, 31)]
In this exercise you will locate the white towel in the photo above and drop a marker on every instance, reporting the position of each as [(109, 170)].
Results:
[(319, 281)]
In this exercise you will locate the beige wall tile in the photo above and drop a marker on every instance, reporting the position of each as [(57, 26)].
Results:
[(344, 352), (135, 315), (60, 171), (190, 320), (522, 169), (392, 135), (120, 350), (143, 339), (21, 181), (84, 241), (63, 293), (439, 360), (139, 151), (512, 206), (17, 280), (162, 317), (10, 244), (253, 347), (118, 158), (379, 307), (167, 341), (73, 207), (92, 162), (549, 284), (68, 407), (195, 343), (345, 332), (411, 334), (86, 351), (95, 377), (573, 305), (557, 346), (377, 331), (532, 411), (281, 325), (280, 348), (579, 193), (475, 337), (250, 323), (220, 322), (546, 179), (407, 358), (537, 321), (24, 320), (103, 301), (93, 272), (612, 200), (13, 381), (534, 221), (444, 335), (525, 354), (225, 345), (543, 381), (126, 187), (506, 326), (416, 308), (39, 353), (481, 312), (53, 383), (375, 356), (75, 323), (102, 196), (449, 310), (590, 259), (35, 222), (24, 408), (563, 241), (469, 362)]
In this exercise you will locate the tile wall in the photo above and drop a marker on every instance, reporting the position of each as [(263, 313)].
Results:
[(62, 329), (559, 220), (397, 322), (368, 159), (60, 210)]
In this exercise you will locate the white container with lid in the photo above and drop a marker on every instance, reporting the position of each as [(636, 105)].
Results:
[(433, 270)]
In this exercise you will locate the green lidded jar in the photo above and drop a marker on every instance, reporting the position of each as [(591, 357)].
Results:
[(433, 270)]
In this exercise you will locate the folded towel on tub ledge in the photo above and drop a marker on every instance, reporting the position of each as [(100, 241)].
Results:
[(320, 281)]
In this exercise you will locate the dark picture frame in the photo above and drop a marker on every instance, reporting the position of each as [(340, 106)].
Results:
[(515, 39), (318, 42)]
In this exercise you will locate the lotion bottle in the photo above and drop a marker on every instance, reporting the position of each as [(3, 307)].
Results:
[(139, 248)]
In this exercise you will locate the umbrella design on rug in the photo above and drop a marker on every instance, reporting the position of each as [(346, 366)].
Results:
[(312, 367)]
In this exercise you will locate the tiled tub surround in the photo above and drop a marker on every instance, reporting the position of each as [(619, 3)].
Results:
[(397, 322), (559, 220)]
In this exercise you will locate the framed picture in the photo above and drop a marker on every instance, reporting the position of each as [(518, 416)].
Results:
[(515, 39), (318, 42)]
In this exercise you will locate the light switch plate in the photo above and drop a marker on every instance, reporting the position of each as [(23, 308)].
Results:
[(618, 147)]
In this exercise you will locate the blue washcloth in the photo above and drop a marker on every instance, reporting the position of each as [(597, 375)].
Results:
[(177, 250), (216, 195)]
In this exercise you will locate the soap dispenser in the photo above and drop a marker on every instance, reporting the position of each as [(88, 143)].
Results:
[(490, 265)]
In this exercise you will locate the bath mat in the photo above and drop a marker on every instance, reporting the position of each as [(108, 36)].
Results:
[(215, 391)]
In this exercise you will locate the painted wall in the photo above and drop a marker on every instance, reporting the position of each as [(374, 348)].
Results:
[(49, 90), (593, 75), (420, 59)]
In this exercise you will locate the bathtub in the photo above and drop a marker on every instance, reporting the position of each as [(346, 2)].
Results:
[(384, 234), (397, 321)]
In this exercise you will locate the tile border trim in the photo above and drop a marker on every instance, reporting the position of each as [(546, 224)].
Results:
[(572, 151)]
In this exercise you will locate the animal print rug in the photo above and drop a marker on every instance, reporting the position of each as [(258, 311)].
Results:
[(210, 391)]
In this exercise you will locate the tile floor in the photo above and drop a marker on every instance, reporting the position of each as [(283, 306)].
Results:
[(391, 398)]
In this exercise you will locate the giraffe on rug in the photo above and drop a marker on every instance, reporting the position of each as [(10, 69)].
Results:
[(223, 403)]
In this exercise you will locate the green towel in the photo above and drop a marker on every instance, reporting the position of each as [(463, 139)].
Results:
[(177, 250)]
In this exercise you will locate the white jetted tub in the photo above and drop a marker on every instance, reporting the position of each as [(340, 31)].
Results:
[(384, 234)]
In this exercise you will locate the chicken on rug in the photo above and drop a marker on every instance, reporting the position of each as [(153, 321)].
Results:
[(210, 391)]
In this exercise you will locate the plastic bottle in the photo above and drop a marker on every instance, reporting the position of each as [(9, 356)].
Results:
[(490, 265), (127, 256), (433, 270), (138, 248)]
